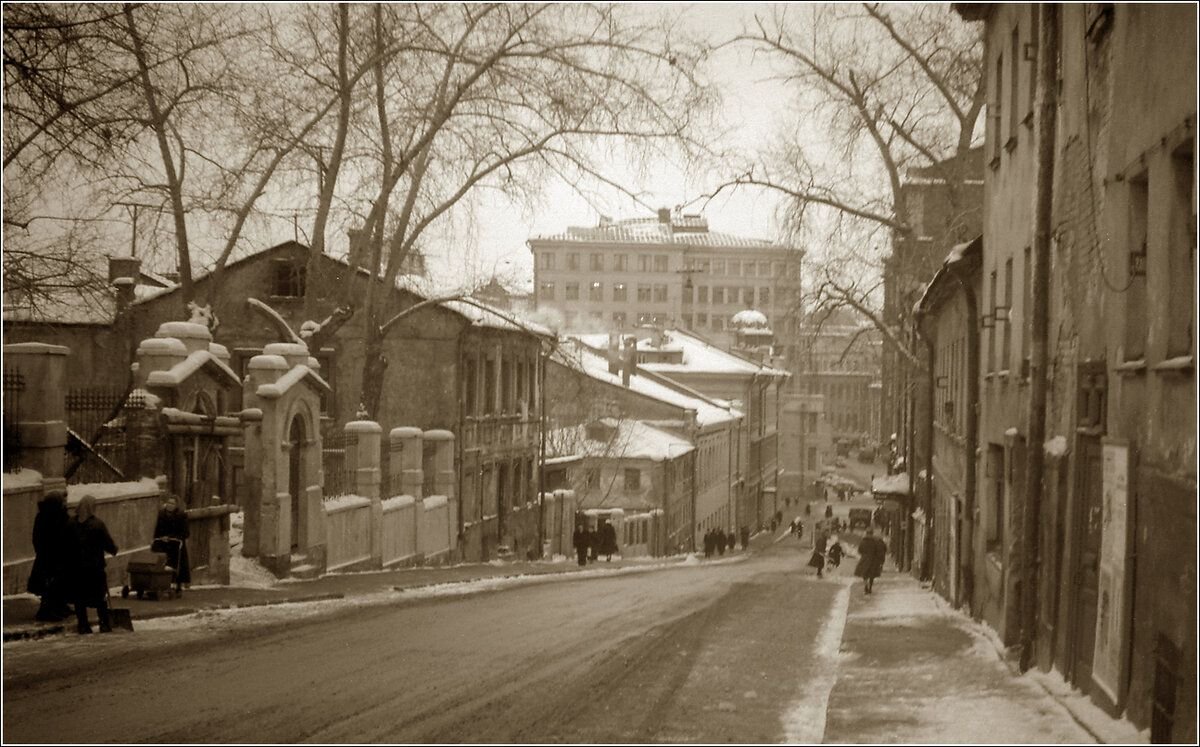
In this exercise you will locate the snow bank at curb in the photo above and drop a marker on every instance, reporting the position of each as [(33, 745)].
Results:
[(804, 721)]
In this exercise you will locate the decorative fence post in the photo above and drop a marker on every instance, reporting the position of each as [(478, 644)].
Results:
[(365, 453), (405, 460), (444, 478)]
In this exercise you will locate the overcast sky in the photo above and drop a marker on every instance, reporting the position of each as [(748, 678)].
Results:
[(753, 109)]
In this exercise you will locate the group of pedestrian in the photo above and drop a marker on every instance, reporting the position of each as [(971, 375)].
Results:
[(825, 553), (69, 564), (716, 541), (591, 544), (797, 528)]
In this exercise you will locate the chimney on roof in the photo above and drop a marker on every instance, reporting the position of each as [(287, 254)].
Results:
[(614, 353), (123, 274), (628, 359), (664, 215), (359, 247)]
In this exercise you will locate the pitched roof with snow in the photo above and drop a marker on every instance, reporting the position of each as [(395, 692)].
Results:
[(586, 361), (699, 355), (630, 439)]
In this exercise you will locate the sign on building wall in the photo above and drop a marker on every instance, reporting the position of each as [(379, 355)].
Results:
[(1110, 615)]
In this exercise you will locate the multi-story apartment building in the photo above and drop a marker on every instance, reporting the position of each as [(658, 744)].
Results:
[(838, 358), (666, 269), (942, 204), (805, 446), (1111, 602)]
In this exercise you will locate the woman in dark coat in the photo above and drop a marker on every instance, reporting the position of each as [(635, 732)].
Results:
[(92, 540), (172, 524), (871, 552), (49, 577), (608, 540), (580, 540), (818, 554)]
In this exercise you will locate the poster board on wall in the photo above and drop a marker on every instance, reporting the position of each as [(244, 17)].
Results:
[(1111, 617)]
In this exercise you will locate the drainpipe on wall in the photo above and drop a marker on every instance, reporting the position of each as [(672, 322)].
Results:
[(541, 379), (927, 437), (1039, 328), (967, 559)]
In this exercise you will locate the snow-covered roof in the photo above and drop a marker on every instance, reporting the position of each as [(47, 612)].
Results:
[(482, 314), (699, 356), (179, 373), (897, 484), (681, 230), (629, 439), (581, 358), (749, 318)]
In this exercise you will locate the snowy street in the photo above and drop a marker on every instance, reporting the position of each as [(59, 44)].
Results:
[(753, 650)]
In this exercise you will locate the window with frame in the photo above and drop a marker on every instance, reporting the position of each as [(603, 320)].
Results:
[(633, 479), (288, 279), (547, 261), (1136, 321), (619, 292), (995, 524), (702, 294), (489, 387), (618, 318), (1181, 259), (596, 316), (995, 116), (701, 320), (718, 294), (764, 297), (1014, 88), (748, 269), (572, 291), (644, 262), (660, 293), (546, 290), (597, 263), (644, 292), (718, 266), (572, 261), (596, 291), (718, 323), (764, 269), (735, 267), (1006, 343), (748, 296), (620, 261), (660, 263), (991, 343), (569, 318)]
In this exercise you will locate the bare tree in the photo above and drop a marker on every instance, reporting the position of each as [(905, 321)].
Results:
[(463, 99), (895, 88)]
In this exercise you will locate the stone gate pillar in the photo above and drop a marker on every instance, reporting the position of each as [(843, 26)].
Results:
[(41, 407)]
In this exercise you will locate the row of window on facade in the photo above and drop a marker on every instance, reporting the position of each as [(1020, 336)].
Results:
[(517, 380), (632, 480), (1017, 110), (598, 262), (620, 320), (660, 293), (506, 486)]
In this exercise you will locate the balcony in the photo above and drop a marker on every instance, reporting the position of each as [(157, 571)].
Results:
[(500, 432)]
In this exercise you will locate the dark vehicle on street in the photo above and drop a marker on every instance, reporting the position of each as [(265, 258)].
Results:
[(860, 518)]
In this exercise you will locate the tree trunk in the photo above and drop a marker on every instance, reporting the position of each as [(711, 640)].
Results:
[(374, 365)]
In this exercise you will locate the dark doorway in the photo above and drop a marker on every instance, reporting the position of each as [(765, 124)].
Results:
[(295, 475), (1086, 571)]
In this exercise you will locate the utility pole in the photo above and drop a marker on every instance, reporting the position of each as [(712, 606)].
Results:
[(1039, 328)]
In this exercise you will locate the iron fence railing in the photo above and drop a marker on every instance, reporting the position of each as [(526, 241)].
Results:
[(14, 384)]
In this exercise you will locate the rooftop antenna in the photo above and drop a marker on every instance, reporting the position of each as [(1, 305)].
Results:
[(134, 206)]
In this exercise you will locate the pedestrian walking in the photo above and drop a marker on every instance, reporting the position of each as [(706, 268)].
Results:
[(608, 540), (720, 542), (799, 529), (817, 560), (91, 542), (49, 577), (593, 542), (710, 543), (731, 541), (170, 537), (580, 541), (871, 553), (835, 553)]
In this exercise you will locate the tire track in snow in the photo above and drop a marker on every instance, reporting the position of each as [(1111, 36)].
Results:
[(804, 720)]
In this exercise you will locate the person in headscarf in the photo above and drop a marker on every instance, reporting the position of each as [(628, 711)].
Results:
[(170, 537), (92, 541), (48, 578)]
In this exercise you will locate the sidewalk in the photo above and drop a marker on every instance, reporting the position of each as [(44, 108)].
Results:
[(911, 669), (19, 610)]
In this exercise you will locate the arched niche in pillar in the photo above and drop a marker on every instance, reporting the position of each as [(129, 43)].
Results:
[(282, 393)]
